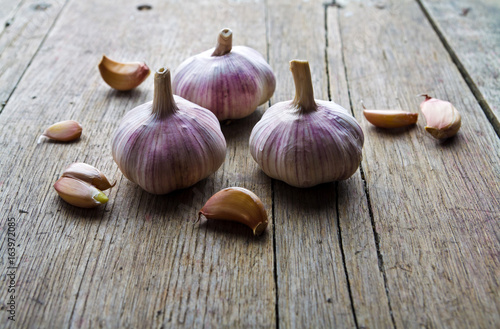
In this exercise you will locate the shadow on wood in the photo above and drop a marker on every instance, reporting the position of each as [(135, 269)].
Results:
[(312, 199)]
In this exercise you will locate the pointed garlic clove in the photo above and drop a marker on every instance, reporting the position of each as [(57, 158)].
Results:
[(443, 119), (89, 174), (64, 131), (390, 118), (237, 204), (123, 76), (79, 193)]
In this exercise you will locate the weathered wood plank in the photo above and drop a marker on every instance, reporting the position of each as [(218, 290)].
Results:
[(139, 261), (8, 9), (435, 204), (312, 285), (24, 30), (361, 260), (472, 31)]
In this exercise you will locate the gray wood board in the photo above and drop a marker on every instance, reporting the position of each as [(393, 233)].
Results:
[(312, 284), (471, 29), (435, 204), (139, 260)]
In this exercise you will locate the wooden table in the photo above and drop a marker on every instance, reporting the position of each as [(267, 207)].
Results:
[(410, 241)]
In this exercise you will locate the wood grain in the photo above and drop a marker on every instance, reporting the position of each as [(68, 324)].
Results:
[(24, 30), (8, 9), (411, 240), (312, 283), (471, 30), (366, 279), (435, 204), (139, 261)]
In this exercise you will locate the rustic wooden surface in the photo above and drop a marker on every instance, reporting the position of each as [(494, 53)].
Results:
[(24, 26), (410, 241), (435, 204), (471, 31)]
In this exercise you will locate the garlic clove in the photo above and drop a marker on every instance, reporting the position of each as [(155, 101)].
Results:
[(229, 81), (89, 174), (390, 118), (64, 131), (443, 119), (79, 193), (237, 204), (123, 76)]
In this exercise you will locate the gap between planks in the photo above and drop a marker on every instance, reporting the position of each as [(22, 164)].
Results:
[(275, 252), (42, 42), (329, 91), (463, 71), (376, 236), (365, 186)]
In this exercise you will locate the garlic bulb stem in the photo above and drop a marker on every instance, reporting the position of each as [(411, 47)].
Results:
[(224, 42), (163, 99), (304, 94)]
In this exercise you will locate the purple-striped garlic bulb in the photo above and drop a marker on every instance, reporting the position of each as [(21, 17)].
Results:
[(229, 81), (306, 142), (169, 143)]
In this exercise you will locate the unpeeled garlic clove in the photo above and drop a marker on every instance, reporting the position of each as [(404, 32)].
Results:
[(79, 193), (64, 131), (443, 119), (123, 76), (390, 118), (89, 174), (237, 204)]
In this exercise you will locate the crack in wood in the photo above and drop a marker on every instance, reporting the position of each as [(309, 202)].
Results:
[(463, 71), (367, 194)]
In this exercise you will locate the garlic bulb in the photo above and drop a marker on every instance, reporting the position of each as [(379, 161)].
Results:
[(305, 142), (229, 81), (169, 143)]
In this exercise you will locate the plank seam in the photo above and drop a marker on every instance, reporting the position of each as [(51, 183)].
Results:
[(376, 236), (11, 18), (342, 253), (275, 252), (463, 71), (339, 228), (4, 103)]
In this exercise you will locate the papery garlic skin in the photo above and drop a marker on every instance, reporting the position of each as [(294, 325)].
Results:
[(169, 143), (89, 174), (229, 81), (63, 131), (390, 118), (79, 193), (123, 76), (237, 204), (305, 142), (443, 119)]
